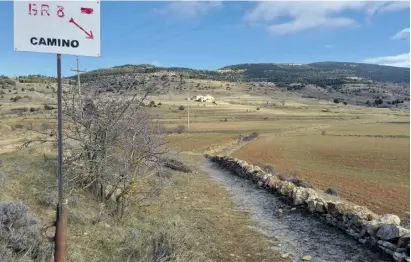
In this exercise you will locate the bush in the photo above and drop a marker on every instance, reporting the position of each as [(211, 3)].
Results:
[(159, 104), (2, 92), (180, 129), (171, 240), (323, 133), (48, 107), (249, 137), (345, 103), (258, 108), (18, 126), (336, 101), (378, 101), (22, 90), (10, 82), (181, 108), (74, 200), (19, 110), (15, 99), (331, 191), (176, 165), (45, 126), (49, 198), (32, 109), (32, 89), (20, 237)]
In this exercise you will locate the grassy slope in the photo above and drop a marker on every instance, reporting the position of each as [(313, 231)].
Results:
[(196, 217)]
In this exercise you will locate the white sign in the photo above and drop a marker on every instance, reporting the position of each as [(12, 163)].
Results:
[(62, 27)]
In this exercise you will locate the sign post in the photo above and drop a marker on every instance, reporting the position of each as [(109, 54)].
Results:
[(60, 27)]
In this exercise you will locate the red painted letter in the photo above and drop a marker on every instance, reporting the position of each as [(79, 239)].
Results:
[(60, 12), (86, 10), (32, 9), (45, 8)]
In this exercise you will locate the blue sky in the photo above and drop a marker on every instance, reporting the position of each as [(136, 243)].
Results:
[(209, 35)]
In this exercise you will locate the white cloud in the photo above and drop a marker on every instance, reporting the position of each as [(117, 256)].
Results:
[(308, 15), (403, 34), (401, 60), (187, 9)]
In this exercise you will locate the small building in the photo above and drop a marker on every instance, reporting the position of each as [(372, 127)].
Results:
[(206, 98)]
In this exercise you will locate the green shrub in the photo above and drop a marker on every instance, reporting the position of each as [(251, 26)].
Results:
[(48, 107)]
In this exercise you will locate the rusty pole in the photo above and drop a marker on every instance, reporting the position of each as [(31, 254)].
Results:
[(60, 252)]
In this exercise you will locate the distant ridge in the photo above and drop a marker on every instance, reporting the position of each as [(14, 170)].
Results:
[(273, 72)]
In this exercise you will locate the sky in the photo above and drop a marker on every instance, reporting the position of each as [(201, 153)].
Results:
[(210, 35)]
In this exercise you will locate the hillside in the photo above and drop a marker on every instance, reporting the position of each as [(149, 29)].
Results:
[(320, 73), (309, 73)]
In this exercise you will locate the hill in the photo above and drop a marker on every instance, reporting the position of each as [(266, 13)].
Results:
[(320, 73), (312, 73)]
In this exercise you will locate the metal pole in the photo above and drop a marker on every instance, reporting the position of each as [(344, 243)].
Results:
[(60, 130), (78, 79), (188, 110), (78, 71), (60, 250)]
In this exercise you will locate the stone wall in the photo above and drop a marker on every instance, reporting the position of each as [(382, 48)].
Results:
[(376, 231)]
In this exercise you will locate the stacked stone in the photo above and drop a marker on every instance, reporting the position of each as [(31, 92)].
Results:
[(381, 231)]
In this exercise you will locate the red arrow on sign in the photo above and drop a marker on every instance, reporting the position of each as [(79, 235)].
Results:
[(89, 35)]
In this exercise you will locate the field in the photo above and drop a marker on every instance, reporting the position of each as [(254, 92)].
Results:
[(362, 152), (358, 167)]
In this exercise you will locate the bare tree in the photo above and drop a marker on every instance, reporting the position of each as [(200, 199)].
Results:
[(108, 140)]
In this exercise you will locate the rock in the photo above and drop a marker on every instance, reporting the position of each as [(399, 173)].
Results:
[(287, 188), (401, 250), (307, 258), (388, 232), (362, 240), (285, 255), (279, 212), (388, 251), (388, 219), (258, 169), (319, 207), (332, 209), (345, 208), (399, 257), (387, 244), (293, 209), (272, 182), (260, 183), (403, 241), (371, 227), (363, 231), (299, 195), (311, 205)]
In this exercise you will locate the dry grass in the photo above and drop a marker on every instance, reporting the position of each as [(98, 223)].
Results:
[(186, 222), (198, 142), (373, 129)]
